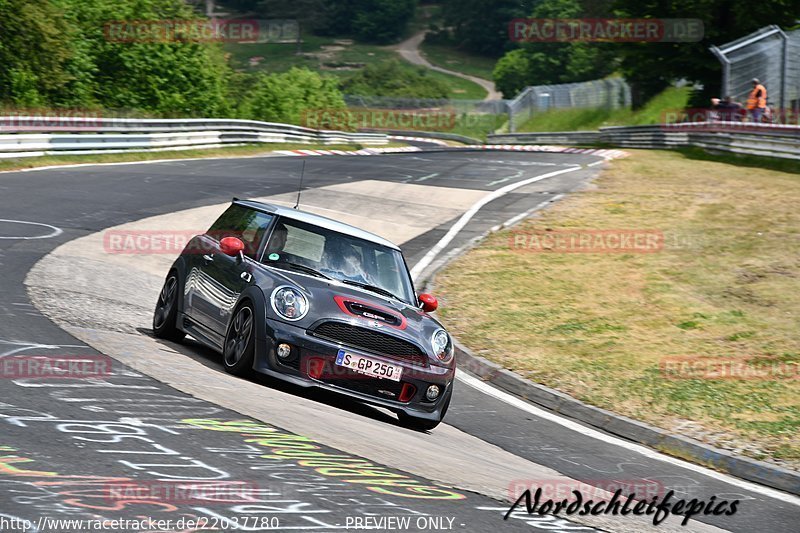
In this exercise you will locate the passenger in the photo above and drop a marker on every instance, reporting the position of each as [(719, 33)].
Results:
[(730, 110)]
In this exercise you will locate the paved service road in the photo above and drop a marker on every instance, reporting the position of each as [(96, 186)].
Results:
[(409, 50), (71, 448)]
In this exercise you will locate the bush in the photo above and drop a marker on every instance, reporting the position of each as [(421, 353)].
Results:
[(512, 73), (55, 53), (34, 51), (392, 78), (284, 97)]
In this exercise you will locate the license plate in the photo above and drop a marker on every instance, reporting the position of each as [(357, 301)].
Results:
[(369, 367)]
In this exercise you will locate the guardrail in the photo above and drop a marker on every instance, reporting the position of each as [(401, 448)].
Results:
[(86, 135), (429, 135), (781, 141), (568, 137)]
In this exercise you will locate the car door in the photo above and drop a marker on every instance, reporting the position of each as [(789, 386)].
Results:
[(216, 280)]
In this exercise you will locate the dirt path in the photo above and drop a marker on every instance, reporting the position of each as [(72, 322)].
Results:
[(409, 50)]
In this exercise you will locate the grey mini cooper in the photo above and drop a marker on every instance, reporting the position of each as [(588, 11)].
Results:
[(314, 302)]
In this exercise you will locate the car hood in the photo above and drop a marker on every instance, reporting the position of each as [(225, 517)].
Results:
[(331, 300)]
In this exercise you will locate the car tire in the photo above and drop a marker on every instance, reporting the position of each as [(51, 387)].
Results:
[(165, 316), (239, 349), (421, 424)]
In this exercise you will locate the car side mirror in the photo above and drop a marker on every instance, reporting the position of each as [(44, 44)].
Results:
[(428, 302), (231, 246)]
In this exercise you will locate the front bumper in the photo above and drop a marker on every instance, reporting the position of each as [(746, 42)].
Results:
[(312, 364)]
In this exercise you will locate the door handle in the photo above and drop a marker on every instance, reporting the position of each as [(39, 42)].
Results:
[(246, 276), (208, 258)]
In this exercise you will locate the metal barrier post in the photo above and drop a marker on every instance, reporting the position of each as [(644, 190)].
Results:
[(784, 72)]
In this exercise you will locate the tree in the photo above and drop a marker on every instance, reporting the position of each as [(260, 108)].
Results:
[(512, 73), (284, 97), (481, 26), (175, 76), (542, 63), (379, 21), (34, 52), (384, 21)]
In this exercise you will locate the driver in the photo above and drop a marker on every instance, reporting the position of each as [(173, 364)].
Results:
[(342, 257)]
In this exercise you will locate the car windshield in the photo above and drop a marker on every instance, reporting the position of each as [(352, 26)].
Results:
[(300, 246)]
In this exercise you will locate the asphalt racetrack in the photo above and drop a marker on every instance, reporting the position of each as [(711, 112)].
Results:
[(168, 414)]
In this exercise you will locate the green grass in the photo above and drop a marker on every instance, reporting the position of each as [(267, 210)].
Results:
[(601, 326), (671, 99), (340, 61), (752, 161), (569, 120), (477, 126), (277, 57), (453, 59), (460, 89), (34, 162)]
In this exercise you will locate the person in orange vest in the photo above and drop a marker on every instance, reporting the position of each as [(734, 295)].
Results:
[(757, 100)]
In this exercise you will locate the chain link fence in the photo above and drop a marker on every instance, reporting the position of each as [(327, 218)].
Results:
[(772, 56), (481, 117), (460, 106), (611, 93), (472, 118)]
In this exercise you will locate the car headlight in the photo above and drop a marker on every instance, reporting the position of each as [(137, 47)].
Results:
[(442, 347), (289, 303)]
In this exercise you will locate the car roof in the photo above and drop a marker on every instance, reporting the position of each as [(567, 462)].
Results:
[(316, 220)]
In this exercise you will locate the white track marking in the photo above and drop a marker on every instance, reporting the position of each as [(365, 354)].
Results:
[(466, 217), (275, 153), (55, 233), (25, 346), (547, 415), (638, 448), (513, 220), (147, 162)]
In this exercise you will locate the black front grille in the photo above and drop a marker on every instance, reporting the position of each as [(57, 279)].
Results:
[(371, 341)]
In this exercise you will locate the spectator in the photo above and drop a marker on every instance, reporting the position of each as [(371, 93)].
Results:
[(730, 110), (757, 101), (714, 112)]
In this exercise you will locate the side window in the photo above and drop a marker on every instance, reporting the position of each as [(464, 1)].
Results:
[(388, 272), (246, 224)]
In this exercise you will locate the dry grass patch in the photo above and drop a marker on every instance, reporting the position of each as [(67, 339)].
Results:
[(599, 326)]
